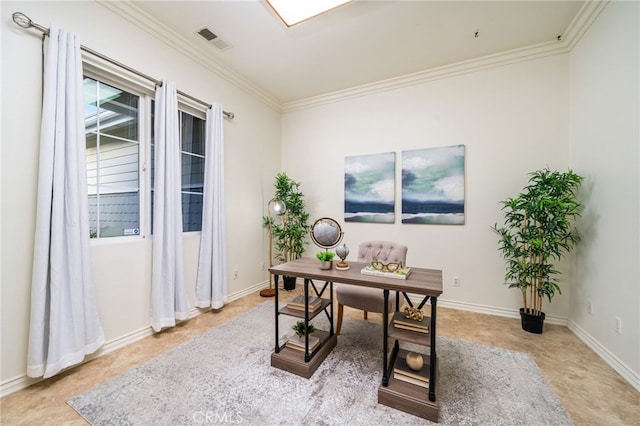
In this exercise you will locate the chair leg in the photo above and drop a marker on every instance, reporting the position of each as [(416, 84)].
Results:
[(365, 315), (340, 312)]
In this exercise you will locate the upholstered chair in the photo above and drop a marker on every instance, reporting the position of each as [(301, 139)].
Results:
[(364, 298)]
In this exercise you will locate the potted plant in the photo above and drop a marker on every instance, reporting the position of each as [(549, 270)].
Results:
[(298, 342), (290, 231), (301, 330), (538, 230), (326, 259)]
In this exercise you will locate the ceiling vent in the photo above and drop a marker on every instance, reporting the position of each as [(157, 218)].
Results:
[(210, 36)]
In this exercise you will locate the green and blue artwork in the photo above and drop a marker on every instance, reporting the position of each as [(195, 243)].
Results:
[(433, 185), (369, 188)]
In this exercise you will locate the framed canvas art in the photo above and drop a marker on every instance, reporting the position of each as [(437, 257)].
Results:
[(433, 185), (369, 188)]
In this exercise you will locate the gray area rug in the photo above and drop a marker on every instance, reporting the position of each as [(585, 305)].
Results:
[(224, 377)]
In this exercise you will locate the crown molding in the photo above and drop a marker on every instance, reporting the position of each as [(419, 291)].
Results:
[(583, 20), (421, 77), (576, 29), (152, 26)]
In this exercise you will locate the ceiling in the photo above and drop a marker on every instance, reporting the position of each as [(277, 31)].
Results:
[(362, 42)]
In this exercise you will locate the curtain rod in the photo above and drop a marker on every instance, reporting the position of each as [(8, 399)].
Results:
[(24, 21)]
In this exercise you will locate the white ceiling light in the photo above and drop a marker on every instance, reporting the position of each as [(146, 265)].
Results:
[(295, 11)]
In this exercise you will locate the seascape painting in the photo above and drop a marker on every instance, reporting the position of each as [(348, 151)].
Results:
[(433, 185), (369, 188)]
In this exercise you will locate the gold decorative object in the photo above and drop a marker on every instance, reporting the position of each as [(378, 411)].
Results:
[(414, 361), (413, 313)]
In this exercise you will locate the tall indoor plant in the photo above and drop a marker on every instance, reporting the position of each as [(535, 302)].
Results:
[(291, 229), (538, 230)]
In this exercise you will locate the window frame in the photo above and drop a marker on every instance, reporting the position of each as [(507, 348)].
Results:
[(184, 107), (100, 70), (120, 79)]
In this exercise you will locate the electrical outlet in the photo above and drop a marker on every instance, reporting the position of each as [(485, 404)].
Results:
[(618, 325), (235, 275), (456, 281), (589, 307), (262, 266)]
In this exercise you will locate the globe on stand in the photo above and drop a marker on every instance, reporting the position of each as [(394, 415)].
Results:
[(326, 233), (342, 251)]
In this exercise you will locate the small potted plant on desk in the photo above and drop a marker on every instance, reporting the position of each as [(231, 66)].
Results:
[(326, 259)]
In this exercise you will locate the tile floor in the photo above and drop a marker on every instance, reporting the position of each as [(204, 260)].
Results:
[(591, 391)]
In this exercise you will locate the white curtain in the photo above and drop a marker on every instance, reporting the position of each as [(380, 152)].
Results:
[(64, 317), (168, 294), (211, 285)]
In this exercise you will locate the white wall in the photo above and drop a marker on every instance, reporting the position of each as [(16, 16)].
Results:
[(605, 141), (512, 120), (121, 269)]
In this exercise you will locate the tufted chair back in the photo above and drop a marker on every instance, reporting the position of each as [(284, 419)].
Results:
[(384, 251), (364, 298)]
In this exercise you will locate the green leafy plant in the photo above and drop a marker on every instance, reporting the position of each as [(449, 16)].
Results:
[(301, 330), (325, 256), (290, 234), (538, 230)]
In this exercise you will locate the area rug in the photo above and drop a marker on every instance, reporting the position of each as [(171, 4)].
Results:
[(224, 377)]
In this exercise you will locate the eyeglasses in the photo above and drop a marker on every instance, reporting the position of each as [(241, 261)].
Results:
[(389, 267)]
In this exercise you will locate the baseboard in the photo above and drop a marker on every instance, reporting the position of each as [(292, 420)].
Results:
[(492, 310), (614, 362), (22, 381), (15, 384)]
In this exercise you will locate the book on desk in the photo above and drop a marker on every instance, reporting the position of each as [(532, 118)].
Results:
[(403, 372), (400, 321), (297, 343), (297, 303), (400, 274)]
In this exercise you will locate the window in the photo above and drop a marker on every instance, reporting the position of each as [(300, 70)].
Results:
[(192, 143), (192, 140), (116, 122), (113, 156)]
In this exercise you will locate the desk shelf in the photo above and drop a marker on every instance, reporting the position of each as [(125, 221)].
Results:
[(300, 313), (292, 360), (408, 335), (407, 397), (296, 361), (417, 400)]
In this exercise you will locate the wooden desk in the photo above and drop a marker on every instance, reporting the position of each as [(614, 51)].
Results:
[(392, 392)]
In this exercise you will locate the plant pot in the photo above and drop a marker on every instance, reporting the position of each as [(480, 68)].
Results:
[(532, 323), (289, 283), (326, 264)]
